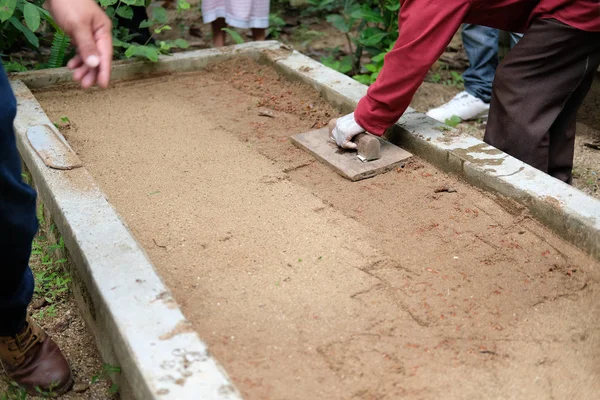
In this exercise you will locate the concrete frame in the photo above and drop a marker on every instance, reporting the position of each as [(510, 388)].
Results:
[(136, 322)]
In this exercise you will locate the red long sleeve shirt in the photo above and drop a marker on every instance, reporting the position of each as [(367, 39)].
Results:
[(426, 28)]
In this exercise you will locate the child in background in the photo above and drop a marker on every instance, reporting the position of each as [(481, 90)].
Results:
[(243, 14)]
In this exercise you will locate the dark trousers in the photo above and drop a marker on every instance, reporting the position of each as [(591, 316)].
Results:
[(18, 223), (537, 91)]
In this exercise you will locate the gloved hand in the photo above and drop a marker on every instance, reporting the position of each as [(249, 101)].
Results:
[(344, 130)]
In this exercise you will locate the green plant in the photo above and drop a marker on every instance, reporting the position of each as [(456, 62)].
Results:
[(276, 23), (123, 37), (14, 392), (370, 27), (23, 22), (58, 51), (453, 121), (14, 66), (456, 79), (343, 65), (237, 38), (373, 68), (107, 370)]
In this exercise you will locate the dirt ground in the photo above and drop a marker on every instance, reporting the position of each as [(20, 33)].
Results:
[(62, 320), (306, 285)]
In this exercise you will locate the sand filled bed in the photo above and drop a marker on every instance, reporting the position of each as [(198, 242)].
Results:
[(309, 286)]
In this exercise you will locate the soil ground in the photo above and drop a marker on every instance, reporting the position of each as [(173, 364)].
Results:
[(62, 320), (306, 285)]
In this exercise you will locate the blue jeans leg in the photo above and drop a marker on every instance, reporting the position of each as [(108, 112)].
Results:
[(481, 45), (18, 222)]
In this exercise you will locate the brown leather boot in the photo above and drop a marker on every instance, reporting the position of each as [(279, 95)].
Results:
[(35, 362)]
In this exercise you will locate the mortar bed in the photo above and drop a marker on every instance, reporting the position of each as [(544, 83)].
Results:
[(308, 286)]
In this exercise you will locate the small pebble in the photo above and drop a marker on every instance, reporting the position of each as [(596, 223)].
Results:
[(80, 387), (39, 303)]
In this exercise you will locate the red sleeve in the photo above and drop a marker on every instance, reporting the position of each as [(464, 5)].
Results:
[(426, 28)]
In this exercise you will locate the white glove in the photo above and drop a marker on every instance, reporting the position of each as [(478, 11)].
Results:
[(345, 129)]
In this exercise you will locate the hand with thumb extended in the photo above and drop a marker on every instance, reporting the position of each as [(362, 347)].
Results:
[(343, 129), (91, 31)]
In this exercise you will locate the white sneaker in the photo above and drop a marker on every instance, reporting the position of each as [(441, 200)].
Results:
[(463, 105)]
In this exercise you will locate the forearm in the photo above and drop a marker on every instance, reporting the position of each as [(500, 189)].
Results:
[(426, 28)]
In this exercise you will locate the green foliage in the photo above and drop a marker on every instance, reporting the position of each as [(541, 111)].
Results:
[(370, 27), (107, 371), (453, 121), (21, 19), (26, 23), (14, 66), (276, 23), (343, 65), (123, 38), (58, 51), (237, 38)]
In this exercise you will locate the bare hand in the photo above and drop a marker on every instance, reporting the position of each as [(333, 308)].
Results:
[(91, 31)]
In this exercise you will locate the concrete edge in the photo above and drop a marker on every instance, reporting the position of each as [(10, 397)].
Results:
[(178, 62), (135, 320)]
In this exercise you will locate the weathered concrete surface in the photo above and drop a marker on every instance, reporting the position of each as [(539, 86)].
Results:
[(51, 148), (135, 320)]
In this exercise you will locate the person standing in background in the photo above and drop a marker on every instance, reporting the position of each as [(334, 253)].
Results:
[(242, 14), (481, 44)]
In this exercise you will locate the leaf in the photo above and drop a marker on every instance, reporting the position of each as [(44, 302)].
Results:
[(364, 79), (164, 46), (162, 28), (453, 121), (14, 66), (114, 389), (29, 35), (149, 52), (134, 2), (110, 11), (60, 44), (183, 5), (181, 43), (379, 57), (371, 68), (46, 16), (120, 43), (159, 15), (345, 64), (145, 23), (234, 35), (367, 14), (32, 16), (108, 3), (339, 22), (371, 40), (394, 6), (125, 12), (7, 9)]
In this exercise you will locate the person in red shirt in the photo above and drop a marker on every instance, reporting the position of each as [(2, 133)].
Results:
[(537, 89)]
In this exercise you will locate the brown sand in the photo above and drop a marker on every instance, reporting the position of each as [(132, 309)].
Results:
[(308, 286)]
